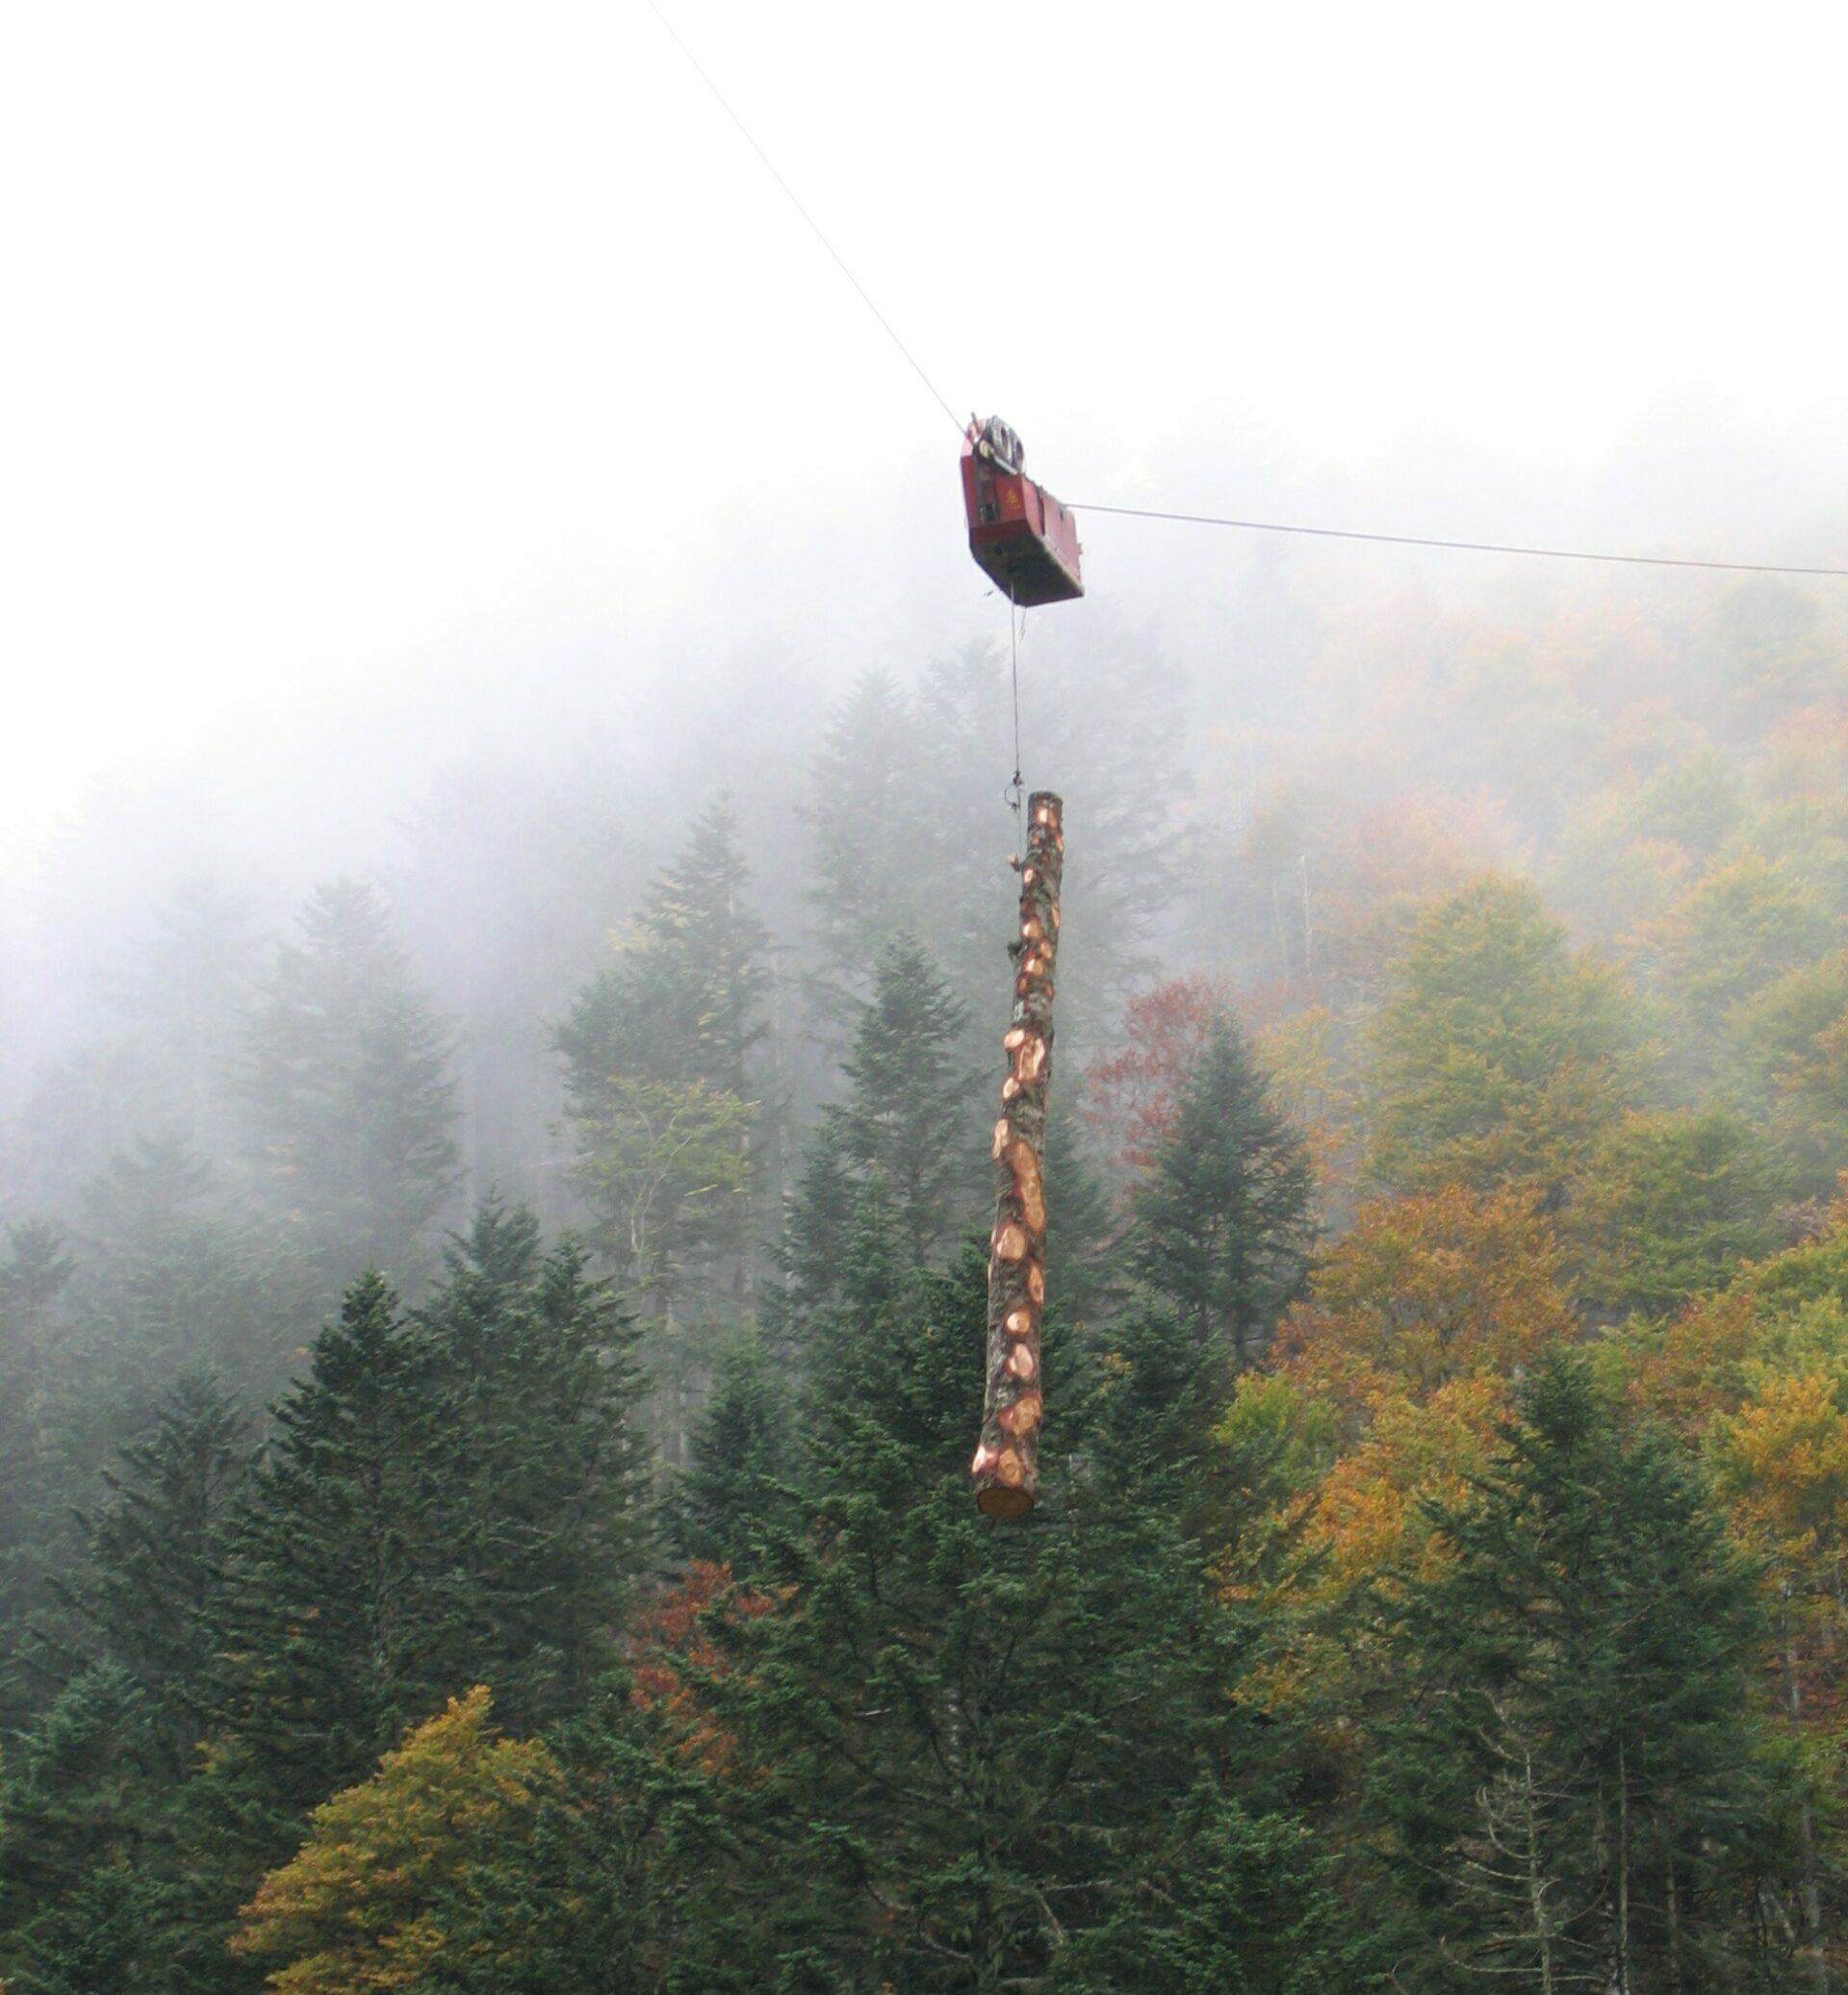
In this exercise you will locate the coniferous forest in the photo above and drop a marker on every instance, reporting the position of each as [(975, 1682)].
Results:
[(491, 1344)]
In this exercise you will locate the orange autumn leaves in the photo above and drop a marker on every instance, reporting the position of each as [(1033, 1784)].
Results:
[(1398, 1372), (1426, 1290), (675, 1648), (1416, 1324)]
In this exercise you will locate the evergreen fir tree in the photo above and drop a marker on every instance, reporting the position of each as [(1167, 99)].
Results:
[(1223, 1222), (337, 1593), (908, 1112), (453, 1498), (182, 992), (172, 1285), (346, 1082), (150, 1593), (683, 1002), (538, 1499), (86, 1903), (660, 1059), (34, 1526), (1225, 1903), (905, 830), (868, 823), (735, 1491), (1083, 1231), (964, 1736), (1572, 1792)]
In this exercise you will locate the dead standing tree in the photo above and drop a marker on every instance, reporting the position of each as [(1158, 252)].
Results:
[(1006, 1461)]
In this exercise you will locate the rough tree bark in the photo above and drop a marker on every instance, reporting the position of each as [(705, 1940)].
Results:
[(1006, 1460)]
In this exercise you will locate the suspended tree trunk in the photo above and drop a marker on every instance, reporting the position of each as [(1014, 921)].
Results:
[(1007, 1461)]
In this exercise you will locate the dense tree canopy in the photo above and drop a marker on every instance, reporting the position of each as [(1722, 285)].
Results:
[(1437, 1577)]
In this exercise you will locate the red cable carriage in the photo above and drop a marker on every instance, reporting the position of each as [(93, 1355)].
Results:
[(1019, 534)]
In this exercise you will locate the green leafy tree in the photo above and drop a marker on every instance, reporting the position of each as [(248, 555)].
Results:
[(590, 1863), (1742, 923), (1572, 1792), (1790, 1049), (664, 1164), (1693, 803), (1224, 1221), (1499, 1053), (1770, 650), (1670, 1206), (346, 1083)]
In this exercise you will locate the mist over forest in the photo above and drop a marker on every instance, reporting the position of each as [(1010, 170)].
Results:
[(550, 1443), (585, 1089)]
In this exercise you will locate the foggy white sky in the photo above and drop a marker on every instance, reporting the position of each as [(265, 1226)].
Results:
[(348, 346)]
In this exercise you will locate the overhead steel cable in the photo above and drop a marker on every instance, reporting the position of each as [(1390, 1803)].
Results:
[(795, 201), (1463, 546), (1134, 512)]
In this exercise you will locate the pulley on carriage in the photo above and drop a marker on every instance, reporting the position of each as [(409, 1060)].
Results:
[(1019, 534)]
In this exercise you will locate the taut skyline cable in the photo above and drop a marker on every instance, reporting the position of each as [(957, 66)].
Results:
[(1462, 546), (795, 201)]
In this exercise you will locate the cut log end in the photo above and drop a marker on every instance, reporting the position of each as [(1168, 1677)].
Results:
[(998, 1501)]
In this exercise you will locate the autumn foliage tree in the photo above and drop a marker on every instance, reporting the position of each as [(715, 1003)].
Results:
[(1428, 1288), (393, 1888), (1130, 1098), (1412, 1328)]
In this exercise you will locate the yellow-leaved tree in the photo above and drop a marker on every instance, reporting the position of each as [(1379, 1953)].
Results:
[(388, 1882)]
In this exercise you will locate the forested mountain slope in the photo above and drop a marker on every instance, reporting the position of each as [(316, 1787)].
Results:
[(488, 1358)]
